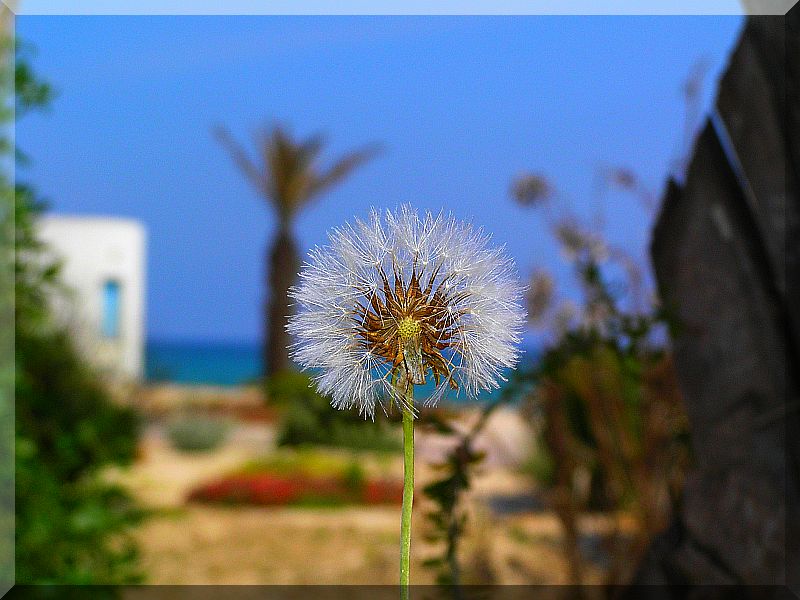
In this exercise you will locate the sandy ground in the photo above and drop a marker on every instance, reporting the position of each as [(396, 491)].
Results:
[(199, 544), (205, 545)]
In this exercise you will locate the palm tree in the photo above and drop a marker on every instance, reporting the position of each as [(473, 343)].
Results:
[(288, 176)]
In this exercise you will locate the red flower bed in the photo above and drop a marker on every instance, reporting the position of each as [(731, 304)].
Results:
[(268, 489), (382, 492)]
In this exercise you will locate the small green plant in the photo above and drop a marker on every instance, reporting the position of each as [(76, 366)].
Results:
[(197, 433), (448, 518), (354, 477)]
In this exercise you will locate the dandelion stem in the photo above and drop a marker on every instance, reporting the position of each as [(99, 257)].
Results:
[(408, 492)]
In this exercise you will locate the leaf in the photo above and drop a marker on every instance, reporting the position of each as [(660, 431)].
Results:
[(432, 562)]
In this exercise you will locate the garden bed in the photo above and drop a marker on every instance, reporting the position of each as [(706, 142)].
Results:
[(268, 489), (300, 478)]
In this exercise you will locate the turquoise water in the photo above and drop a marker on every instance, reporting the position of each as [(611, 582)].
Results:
[(203, 362), (214, 363)]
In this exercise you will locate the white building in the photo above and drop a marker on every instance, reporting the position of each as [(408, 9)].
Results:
[(103, 267)]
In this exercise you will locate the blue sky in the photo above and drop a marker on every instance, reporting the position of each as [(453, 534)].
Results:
[(460, 104)]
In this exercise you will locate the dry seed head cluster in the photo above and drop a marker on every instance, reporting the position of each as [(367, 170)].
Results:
[(403, 300)]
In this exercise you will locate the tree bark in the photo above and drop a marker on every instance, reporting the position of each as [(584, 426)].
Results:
[(727, 263), (283, 264)]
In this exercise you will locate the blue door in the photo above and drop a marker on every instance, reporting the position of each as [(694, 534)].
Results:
[(111, 302)]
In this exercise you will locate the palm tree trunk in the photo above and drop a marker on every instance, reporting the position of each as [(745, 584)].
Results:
[(283, 265)]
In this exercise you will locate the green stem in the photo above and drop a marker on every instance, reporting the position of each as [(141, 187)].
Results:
[(408, 492)]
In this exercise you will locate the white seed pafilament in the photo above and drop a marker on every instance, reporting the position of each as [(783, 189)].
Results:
[(406, 300)]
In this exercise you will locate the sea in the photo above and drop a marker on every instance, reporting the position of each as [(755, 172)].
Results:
[(202, 363), (211, 363)]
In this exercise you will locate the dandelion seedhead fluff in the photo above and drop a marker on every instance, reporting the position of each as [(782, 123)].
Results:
[(402, 300)]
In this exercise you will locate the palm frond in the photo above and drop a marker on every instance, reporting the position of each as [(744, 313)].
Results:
[(341, 169), (308, 151), (288, 175), (241, 159)]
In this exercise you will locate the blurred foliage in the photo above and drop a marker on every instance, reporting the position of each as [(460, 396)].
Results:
[(308, 462), (197, 433), (447, 517), (308, 419), (311, 463), (611, 431), (266, 488), (307, 477), (71, 527), (531, 189)]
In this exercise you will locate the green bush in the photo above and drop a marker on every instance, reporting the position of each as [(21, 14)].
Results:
[(309, 419), (71, 526), (540, 465), (197, 433)]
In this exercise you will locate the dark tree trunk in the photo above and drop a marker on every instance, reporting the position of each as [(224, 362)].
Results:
[(283, 265), (726, 257)]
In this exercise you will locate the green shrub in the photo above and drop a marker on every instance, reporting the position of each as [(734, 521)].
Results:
[(197, 433), (354, 477), (71, 526), (308, 418), (539, 465)]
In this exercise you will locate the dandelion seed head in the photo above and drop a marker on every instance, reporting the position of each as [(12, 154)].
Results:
[(400, 299)]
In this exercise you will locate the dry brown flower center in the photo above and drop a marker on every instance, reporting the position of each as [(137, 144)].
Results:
[(409, 326)]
